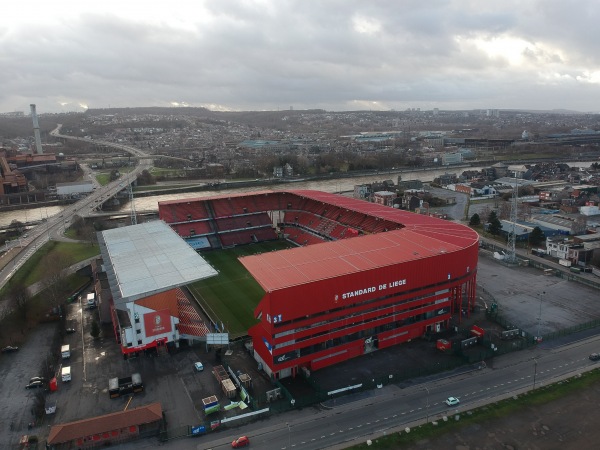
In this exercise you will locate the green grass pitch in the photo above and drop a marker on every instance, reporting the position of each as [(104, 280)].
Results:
[(231, 296)]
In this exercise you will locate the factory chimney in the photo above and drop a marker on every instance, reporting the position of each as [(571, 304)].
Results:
[(36, 131)]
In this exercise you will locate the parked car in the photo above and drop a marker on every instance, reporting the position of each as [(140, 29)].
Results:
[(35, 384), (70, 330), (242, 441), (9, 349), (34, 379), (198, 366), (452, 401), (595, 356)]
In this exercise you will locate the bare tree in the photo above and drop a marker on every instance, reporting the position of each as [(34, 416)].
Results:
[(504, 211), (88, 233), (19, 296), (55, 280)]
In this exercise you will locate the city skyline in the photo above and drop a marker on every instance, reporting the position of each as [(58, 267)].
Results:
[(266, 55)]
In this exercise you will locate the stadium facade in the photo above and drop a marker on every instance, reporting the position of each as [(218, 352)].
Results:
[(364, 276), (145, 266)]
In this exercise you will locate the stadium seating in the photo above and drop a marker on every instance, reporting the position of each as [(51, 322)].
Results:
[(236, 220), (190, 322)]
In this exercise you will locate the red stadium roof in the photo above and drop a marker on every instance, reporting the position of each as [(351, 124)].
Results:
[(420, 237)]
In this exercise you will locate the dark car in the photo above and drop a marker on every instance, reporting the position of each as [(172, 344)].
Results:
[(35, 384), (70, 330), (595, 356), (34, 379), (9, 349), (242, 441)]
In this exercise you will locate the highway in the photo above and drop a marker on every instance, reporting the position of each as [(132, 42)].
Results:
[(53, 228)]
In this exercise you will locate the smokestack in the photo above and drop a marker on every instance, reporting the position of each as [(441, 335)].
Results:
[(36, 131)]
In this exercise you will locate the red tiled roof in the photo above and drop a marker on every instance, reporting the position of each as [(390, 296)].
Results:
[(67, 432)]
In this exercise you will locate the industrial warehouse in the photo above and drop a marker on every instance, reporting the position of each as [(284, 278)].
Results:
[(363, 277)]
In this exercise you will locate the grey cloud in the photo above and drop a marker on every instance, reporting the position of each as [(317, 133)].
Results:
[(306, 54)]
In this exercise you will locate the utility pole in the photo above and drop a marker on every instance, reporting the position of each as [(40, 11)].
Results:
[(427, 407), (512, 238)]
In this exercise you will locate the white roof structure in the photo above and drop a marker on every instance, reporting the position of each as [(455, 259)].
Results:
[(148, 258)]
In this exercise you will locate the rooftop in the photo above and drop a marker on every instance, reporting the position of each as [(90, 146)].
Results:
[(147, 259), (419, 237)]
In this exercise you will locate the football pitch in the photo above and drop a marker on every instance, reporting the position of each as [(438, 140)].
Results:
[(230, 297)]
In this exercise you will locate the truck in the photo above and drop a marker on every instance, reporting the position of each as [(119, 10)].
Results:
[(126, 385), (90, 300), (564, 262), (66, 373)]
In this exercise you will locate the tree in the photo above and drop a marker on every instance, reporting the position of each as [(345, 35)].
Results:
[(56, 278), (95, 331), (494, 225), (16, 227), (19, 296), (146, 178), (475, 220), (536, 236)]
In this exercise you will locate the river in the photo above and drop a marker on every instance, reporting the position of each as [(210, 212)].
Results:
[(329, 185)]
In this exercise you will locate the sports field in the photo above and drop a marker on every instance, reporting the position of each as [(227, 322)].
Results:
[(231, 296)]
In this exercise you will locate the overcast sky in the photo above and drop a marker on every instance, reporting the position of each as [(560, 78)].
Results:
[(276, 54)]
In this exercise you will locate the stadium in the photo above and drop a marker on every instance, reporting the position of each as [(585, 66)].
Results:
[(360, 276)]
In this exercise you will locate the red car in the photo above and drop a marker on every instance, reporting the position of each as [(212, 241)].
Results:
[(242, 441)]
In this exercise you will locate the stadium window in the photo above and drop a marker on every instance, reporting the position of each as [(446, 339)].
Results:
[(139, 342), (138, 331), (137, 320)]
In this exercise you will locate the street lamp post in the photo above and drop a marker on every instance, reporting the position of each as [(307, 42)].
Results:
[(540, 316), (427, 407), (289, 434), (534, 372)]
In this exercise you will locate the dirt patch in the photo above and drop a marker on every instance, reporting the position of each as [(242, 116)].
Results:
[(567, 423)]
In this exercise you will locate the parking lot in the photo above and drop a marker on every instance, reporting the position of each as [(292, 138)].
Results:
[(169, 379)]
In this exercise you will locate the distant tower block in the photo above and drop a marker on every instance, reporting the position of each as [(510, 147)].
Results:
[(36, 131)]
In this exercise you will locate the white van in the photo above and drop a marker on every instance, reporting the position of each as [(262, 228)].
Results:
[(91, 299), (66, 373), (65, 351)]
